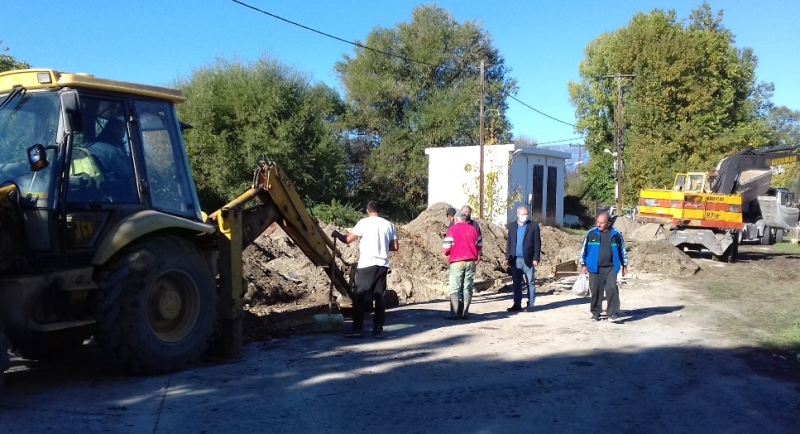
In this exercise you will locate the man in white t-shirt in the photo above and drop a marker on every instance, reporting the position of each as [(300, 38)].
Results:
[(377, 238)]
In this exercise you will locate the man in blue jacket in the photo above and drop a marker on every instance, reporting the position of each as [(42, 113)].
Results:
[(602, 256)]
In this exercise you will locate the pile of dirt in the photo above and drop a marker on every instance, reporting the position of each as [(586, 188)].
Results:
[(284, 288), (558, 246), (430, 226), (626, 225), (647, 232), (660, 257)]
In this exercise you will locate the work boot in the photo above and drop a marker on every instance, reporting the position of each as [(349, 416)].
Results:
[(455, 307), (467, 301)]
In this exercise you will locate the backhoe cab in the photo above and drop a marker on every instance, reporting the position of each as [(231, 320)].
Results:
[(101, 232)]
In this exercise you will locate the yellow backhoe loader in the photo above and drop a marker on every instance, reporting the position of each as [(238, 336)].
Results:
[(101, 232)]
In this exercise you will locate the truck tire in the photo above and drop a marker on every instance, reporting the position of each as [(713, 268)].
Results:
[(766, 239), (156, 306)]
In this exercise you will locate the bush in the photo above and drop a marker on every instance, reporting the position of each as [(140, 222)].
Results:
[(337, 213)]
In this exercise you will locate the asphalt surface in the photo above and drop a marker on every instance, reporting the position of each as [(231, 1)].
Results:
[(665, 369)]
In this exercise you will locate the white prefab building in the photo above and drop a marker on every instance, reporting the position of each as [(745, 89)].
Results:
[(513, 175)]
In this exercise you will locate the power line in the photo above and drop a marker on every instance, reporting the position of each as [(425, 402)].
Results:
[(559, 141), (407, 59), (331, 36)]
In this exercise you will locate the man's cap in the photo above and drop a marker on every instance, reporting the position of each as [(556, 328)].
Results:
[(461, 215), (450, 212)]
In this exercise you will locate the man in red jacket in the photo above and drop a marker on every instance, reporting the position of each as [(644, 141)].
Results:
[(462, 246)]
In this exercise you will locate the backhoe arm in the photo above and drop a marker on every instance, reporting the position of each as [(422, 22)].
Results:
[(281, 204)]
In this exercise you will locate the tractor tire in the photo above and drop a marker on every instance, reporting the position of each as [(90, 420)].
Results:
[(156, 306), (778, 236)]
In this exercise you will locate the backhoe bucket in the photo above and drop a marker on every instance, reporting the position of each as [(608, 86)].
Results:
[(776, 215), (696, 239)]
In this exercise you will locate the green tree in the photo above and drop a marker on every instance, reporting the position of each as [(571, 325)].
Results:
[(693, 101), (8, 62), (242, 111), (784, 125), (425, 94)]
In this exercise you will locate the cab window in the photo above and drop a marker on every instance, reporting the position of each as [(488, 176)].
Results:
[(165, 161), (101, 166)]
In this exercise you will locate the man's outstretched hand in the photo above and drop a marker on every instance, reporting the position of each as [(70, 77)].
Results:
[(338, 235)]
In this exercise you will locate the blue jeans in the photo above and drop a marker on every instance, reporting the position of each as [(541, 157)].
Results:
[(517, 270)]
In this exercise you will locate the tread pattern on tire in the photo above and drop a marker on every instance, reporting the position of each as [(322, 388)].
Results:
[(122, 329)]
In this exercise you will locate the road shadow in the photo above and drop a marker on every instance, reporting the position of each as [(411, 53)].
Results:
[(310, 382), (634, 315)]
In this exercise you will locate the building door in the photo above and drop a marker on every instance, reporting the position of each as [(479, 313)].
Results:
[(537, 190), (552, 185)]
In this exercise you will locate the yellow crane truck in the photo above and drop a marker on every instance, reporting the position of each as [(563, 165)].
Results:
[(101, 231), (718, 210)]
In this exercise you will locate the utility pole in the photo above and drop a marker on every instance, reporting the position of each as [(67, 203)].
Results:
[(480, 140), (618, 145)]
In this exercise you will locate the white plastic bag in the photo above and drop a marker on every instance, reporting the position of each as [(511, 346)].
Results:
[(581, 286)]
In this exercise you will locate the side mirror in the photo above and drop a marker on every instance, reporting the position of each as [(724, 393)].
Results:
[(72, 111), (37, 157)]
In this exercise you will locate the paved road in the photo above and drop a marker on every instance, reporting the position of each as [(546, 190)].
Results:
[(665, 370)]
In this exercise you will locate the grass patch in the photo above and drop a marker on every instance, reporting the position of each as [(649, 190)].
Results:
[(787, 248), (757, 306), (572, 231)]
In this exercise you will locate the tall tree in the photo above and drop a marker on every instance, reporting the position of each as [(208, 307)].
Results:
[(9, 62), (784, 124), (692, 102), (241, 112), (417, 86)]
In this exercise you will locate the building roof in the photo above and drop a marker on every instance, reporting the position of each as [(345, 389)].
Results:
[(525, 150)]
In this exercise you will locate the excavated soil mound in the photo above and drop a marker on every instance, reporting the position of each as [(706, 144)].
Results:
[(284, 289), (647, 232), (558, 246), (660, 257), (626, 225), (429, 228)]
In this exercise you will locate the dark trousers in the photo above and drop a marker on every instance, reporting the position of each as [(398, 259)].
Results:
[(604, 280), (370, 285)]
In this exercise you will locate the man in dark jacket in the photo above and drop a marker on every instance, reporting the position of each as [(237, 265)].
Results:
[(603, 256), (523, 251)]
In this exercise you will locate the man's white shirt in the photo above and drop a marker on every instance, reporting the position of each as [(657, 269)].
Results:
[(375, 235)]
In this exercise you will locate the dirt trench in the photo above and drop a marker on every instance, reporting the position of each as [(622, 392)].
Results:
[(284, 289)]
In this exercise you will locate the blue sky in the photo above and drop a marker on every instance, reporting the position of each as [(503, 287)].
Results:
[(157, 41)]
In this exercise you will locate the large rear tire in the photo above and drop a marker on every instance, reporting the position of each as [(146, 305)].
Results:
[(156, 306)]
